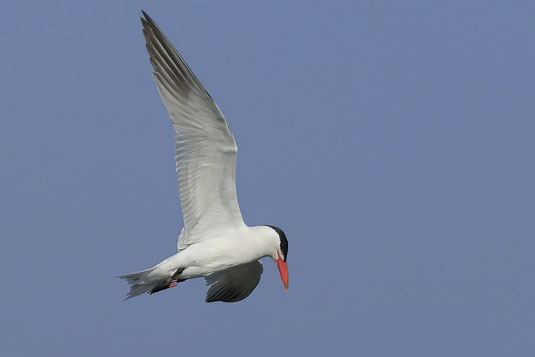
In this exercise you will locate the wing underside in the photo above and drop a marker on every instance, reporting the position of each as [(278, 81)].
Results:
[(235, 283), (205, 146)]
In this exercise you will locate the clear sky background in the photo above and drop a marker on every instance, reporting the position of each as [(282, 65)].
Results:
[(393, 141)]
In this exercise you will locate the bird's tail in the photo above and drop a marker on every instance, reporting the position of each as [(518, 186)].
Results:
[(141, 282)]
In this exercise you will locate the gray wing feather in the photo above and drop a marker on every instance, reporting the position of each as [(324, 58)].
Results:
[(235, 283)]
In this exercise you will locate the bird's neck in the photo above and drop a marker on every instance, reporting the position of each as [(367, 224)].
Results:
[(265, 240)]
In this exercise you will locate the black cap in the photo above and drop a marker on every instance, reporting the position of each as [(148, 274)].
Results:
[(284, 241)]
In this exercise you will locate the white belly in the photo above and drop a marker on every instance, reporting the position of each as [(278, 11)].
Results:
[(203, 258)]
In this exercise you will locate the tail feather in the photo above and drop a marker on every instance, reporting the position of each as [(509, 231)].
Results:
[(141, 282)]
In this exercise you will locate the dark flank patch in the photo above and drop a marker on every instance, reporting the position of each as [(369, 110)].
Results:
[(284, 241), (159, 287), (165, 284)]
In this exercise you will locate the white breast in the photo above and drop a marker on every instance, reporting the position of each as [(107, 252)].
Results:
[(206, 257)]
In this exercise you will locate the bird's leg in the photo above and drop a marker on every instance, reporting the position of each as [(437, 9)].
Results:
[(177, 273), (174, 281), (171, 282)]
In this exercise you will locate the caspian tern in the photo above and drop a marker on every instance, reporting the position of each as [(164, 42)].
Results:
[(215, 243)]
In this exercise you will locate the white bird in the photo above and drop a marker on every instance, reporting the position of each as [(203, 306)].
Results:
[(215, 243)]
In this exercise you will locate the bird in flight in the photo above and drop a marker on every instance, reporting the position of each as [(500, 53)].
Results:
[(215, 243)]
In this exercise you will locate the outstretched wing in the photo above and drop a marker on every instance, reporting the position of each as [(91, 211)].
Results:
[(235, 283), (205, 147)]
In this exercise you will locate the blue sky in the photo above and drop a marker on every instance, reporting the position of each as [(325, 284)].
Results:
[(393, 141)]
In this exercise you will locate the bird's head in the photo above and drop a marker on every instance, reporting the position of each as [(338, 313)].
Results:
[(280, 254)]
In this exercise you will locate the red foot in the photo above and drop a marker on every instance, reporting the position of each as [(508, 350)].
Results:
[(173, 284)]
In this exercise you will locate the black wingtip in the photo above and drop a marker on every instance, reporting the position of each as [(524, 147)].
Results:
[(147, 17), (144, 18)]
